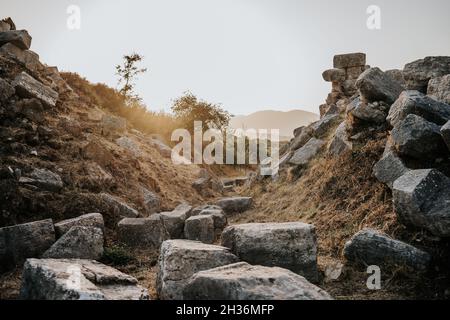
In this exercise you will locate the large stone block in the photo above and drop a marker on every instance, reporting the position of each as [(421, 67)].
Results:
[(74, 279), (242, 281), (418, 73), (19, 38), (28, 87), (389, 168), (308, 152), (348, 60), (20, 242), (421, 199), (44, 179), (291, 246), (143, 233), (180, 259), (374, 86), (235, 204), (94, 220), (414, 102), (417, 138), (370, 247), (78, 243), (439, 89), (200, 228)]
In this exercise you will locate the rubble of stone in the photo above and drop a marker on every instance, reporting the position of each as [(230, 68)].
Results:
[(75, 279)]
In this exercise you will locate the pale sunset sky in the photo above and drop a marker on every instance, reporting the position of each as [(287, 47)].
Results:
[(248, 55)]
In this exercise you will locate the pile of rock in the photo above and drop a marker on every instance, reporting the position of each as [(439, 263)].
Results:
[(286, 255), (78, 238)]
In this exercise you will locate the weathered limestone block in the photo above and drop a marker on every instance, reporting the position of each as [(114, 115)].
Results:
[(439, 89), (370, 247), (308, 152), (78, 243), (374, 85), (74, 279), (421, 199), (418, 73), (417, 138), (291, 246), (94, 220), (200, 228), (241, 281), (28, 87), (19, 38), (180, 259), (414, 102), (235, 204), (20, 242), (344, 61), (143, 233)]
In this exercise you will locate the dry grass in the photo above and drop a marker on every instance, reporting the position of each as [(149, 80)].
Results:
[(338, 195)]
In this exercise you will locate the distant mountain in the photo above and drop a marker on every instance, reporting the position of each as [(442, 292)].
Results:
[(286, 122)]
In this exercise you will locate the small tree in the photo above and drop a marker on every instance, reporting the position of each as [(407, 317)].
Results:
[(127, 75), (188, 109)]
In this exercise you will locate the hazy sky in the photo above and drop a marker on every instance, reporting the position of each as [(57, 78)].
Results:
[(248, 55)]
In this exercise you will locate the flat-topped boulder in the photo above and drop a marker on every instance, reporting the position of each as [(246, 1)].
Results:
[(309, 151), (374, 86), (301, 138), (439, 89), (200, 228), (28, 87), (418, 138), (418, 73), (421, 199), (180, 259), (143, 233), (87, 220), (20, 242), (235, 204), (19, 38), (371, 247), (78, 243), (414, 102), (291, 245), (242, 281), (349, 60), (74, 279), (118, 207)]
